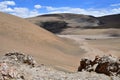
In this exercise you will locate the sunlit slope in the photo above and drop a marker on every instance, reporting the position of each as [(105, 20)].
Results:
[(17, 34)]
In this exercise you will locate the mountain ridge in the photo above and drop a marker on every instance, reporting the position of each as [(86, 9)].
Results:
[(65, 22)]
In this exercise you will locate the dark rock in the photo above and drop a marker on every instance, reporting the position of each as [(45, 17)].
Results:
[(108, 65), (102, 68), (53, 26), (85, 64)]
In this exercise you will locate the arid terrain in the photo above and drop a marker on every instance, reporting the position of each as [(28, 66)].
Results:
[(98, 35), (101, 33), (67, 23), (19, 35), (97, 44), (72, 38), (20, 66)]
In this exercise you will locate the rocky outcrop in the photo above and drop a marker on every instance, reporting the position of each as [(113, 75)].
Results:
[(21, 58), (19, 66), (12, 63), (108, 65)]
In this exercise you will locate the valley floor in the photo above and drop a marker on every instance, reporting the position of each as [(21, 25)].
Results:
[(96, 44)]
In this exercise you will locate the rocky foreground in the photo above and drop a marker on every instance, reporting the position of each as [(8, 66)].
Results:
[(108, 65), (18, 66)]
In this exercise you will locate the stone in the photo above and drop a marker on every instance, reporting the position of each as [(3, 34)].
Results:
[(14, 67), (108, 65), (22, 58)]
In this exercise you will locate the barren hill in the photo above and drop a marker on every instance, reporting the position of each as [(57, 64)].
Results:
[(56, 23), (67, 23), (19, 35), (110, 21)]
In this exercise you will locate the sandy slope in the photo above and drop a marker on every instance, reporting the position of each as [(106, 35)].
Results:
[(17, 34), (110, 31), (78, 24), (109, 46), (64, 22), (97, 44)]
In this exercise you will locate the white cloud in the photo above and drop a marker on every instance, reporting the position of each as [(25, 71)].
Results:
[(114, 5), (89, 11), (24, 12), (8, 10), (50, 8), (37, 6), (10, 7), (5, 6), (11, 3)]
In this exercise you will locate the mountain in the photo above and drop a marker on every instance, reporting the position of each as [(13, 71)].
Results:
[(68, 23), (110, 21), (19, 35), (96, 35), (56, 23)]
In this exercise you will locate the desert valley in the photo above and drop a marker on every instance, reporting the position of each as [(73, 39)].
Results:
[(58, 42), (95, 35)]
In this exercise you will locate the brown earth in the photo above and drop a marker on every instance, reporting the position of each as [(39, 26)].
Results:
[(19, 35), (57, 23), (97, 44), (110, 21), (109, 46), (68, 23)]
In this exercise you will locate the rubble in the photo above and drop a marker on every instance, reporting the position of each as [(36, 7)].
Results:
[(21, 58), (108, 65), (11, 63), (19, 66)]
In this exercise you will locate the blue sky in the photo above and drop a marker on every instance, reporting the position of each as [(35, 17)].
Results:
[(29, 8)]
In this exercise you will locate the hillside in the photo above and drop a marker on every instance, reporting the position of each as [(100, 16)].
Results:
[(95, 37), (56, 23), (19, 35), (110, 21), (67, 23)]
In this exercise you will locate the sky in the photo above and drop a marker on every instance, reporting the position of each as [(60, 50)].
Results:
[(31, 8)]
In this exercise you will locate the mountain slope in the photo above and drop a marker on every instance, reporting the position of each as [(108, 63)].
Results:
[(110, 21), (67, 23), (17, 34), (56, 23)]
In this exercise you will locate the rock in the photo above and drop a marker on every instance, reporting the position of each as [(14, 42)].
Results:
[(8, 72), (21, 58), (108, 65), (12, 66), (85, 64), (17, 66)]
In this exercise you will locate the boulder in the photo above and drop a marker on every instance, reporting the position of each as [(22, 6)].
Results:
[(21, 58), (108, 65), (13, 65)]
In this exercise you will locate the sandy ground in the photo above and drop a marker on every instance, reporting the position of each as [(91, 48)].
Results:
[(77, 31), (96, 44), (19, 35), (109, 46)]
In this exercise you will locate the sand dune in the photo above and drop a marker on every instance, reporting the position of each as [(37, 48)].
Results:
[(17, 34)]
